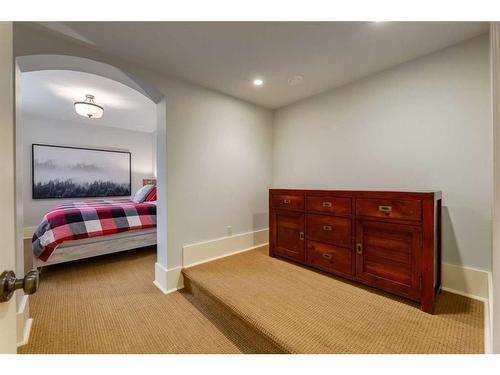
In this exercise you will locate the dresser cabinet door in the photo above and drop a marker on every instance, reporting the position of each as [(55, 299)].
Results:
[(388, 255), (289, 235)]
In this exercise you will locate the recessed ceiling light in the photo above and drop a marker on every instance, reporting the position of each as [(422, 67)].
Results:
[(295, 80), (258, 82)]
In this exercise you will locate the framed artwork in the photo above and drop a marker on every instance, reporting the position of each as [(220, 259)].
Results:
[(75, 172)]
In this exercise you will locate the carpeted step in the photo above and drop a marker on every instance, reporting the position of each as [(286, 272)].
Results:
[(244, 335), (278, 307)]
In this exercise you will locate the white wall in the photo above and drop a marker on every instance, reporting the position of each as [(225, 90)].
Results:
[(219, 165), (219, 155), (425, 124), (494, 299), (50, 131)]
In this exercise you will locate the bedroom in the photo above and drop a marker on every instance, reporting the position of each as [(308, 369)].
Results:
[(72, 157), (230, 156)]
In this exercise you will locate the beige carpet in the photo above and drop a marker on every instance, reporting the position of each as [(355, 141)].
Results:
[(302, 311), (109, 305)]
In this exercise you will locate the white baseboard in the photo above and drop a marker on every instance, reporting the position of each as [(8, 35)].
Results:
[(488, 318), (207, 251), (24, 322), (488, 338), (168, 280), (472, 283), (466, 281)]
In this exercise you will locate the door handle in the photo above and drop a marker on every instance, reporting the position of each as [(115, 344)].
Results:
[(9, 284)]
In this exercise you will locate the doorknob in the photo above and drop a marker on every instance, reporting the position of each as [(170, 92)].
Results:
[(9, 284)]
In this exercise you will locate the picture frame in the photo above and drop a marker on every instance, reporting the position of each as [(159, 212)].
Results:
[(78, 172)]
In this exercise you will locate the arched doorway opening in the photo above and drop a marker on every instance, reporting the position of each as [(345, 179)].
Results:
[(38, 63)]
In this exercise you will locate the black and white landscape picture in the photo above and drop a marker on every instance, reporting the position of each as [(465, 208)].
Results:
[(69, 172)]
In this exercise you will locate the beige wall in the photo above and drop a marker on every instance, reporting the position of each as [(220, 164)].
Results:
[(425, 124), (7, 196), (219, 153)]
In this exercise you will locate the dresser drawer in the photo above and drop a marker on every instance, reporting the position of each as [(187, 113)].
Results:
[(390, 208), (329, 229), (329, 204), (329, 258), (287, 201)]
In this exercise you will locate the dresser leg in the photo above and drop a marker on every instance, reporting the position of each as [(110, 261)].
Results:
[(427, 305)]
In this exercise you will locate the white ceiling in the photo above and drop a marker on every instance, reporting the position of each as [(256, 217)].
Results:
[(227, 56), (51, 94)]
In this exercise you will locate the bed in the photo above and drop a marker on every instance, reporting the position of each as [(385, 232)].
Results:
[(84, 229)]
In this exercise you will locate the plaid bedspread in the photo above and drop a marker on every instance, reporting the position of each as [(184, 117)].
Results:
[(77, 220)]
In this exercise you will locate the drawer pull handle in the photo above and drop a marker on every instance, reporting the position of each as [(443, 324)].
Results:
[(286, 201), (327, 204), (385, 209), (301, 236), (327, 228), (327, 256)]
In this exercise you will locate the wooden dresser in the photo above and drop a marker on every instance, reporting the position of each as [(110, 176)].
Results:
[(387, 240)]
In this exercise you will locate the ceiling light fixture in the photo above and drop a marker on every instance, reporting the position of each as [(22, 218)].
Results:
[(258, 82), (88, 108)]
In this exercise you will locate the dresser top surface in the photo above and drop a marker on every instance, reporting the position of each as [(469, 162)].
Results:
[(435, 194)]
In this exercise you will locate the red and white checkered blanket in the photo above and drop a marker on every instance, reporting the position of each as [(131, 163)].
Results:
[(77, 220)]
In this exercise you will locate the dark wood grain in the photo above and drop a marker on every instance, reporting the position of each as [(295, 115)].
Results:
[(401, 245), (389, 255), (396, 208), (329, 204), (289, 235), (334, 259), (288, 201), (330, 229)]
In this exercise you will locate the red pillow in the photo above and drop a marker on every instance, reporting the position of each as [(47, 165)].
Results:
[(151, 196)]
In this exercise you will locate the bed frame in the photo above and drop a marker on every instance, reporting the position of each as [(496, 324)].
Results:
[(91, 247)]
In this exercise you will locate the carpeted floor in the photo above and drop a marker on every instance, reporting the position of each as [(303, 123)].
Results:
[(110, 305), (302, 311)]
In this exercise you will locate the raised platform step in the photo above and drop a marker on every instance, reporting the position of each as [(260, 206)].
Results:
[(278, 307)]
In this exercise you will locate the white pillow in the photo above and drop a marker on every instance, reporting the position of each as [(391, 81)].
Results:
[(142, 193)]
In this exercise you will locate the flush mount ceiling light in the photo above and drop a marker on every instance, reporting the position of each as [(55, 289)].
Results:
[(88, 108), (258, 82)]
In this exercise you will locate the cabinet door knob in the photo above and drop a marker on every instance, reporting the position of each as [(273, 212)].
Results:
[(301, 236), (359, 248)]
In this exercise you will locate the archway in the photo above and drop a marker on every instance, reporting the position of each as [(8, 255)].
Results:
[(31, 63)]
